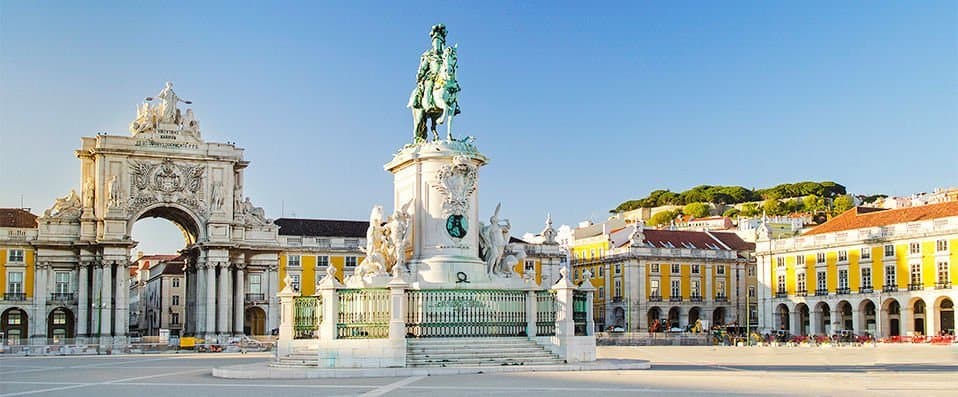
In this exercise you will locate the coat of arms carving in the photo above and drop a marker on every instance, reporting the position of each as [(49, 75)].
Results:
[(457, 182)]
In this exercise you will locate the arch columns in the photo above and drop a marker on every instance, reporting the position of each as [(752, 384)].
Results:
[(906, 320), (858, 321), (239, 297), (795, 317), (815, 319)]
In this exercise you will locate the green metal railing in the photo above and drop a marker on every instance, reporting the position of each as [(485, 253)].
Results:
[(465, 313), (580, 312), (307, 316), (363, 313), (545, 313)]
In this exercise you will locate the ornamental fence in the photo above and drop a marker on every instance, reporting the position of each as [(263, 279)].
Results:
[(363, 314), (580, 307), (545, 313), (308, 314), (376, 313), (463, 313)]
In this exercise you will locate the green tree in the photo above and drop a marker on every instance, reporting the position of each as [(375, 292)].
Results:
[(662, 218), (794, 205), (773, 207), (842, 203), (697, 210), (813, 203), (731, 212), (751, 209)]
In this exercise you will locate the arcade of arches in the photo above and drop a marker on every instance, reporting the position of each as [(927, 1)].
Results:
[(895, 315)]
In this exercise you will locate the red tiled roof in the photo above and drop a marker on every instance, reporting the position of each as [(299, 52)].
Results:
[(864, 217), (662, 238), (16, 217)]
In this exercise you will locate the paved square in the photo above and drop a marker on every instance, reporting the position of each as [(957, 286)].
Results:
[(892, 370)]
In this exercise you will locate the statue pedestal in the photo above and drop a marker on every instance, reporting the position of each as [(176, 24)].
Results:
[(439, 180)]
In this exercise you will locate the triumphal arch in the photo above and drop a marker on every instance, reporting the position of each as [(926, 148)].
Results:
[(164, 169)]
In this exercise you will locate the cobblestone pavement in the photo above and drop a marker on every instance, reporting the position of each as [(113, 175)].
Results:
[(883, 370)]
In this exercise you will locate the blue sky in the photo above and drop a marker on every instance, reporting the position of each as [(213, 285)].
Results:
[(579, 105)]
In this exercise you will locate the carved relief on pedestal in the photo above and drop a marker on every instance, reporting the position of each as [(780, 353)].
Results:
[(457, 182), (169, 182)]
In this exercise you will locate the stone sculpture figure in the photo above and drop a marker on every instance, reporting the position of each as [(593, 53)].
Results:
[(167, 110), (65, 206), (375, 260), (145, 119), (508, 264), (114, 192), (398, 232), (190, 124), (435, 97), (493, 239), (88, 189), (216, 196)]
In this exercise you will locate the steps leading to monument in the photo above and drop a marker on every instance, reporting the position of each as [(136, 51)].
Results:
[(472, 352)]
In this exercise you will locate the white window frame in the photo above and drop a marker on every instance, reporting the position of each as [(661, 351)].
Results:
[(16, 255), (62, 286), (696, 269), (914, 274), (350, 259), (820, 257), (259, 283), (842, 279), (801, 282), (654, 287), (322, 260), (781, 283), (914, 248), (780, 262), (618, 268), (889, 250), (866, 277), (842, 255), (720, 269), (944, 272), (720, 289), (654, 268), (941, 245), (294, 260), (866, 253), (696, 288), (676, 268), (891, 278), (676, 288), (800, 259), (15, 287), (821, 281), (294, 282)]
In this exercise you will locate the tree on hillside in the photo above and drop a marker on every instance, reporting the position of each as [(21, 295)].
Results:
[(813, 203), (773, 207), (842, 203), (697, 210), (662, 218), (731, 212), (751, 209)]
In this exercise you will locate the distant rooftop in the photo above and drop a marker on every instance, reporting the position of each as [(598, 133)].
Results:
[(321, 227), (865, 217), (17, 217)]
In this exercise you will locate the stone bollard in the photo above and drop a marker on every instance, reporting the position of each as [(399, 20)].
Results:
[(564, 288), (397, 309), (327, 290)]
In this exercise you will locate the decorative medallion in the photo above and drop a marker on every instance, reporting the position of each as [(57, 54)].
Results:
[(169, 182), (457, 182), (457, 226)]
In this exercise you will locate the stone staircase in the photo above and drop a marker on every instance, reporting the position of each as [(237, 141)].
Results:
[(299, 358), (476, 352)]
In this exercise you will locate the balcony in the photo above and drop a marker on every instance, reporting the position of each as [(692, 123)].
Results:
[(255, 297), (695, 298), (62, 297), (801, 292), (943, 285), (843, 291), (821, 292), (889, 288), (781, 294), (866, 290), (915, 287), (675, 299), (14, 296), (655, 298), (721, 299)]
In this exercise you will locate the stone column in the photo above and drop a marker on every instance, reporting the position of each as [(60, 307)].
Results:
[(273, 276), (838, 323), (531, 314), (211, 300), (96, 300), (327, 289), (795, 318), (122, 306), (83, 301), (637, 297), (815, 321), (931, 315), (239, 299), (858, 322), (40, 296), (106, 288), (708, 293), (565, 325), (906, 321), (285, 340), (222, 306), (199, 318), (397, 312)]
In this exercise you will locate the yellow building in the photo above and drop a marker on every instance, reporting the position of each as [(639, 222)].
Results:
[(310, 246), (868, 270), (18, 228), (677, 277)]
